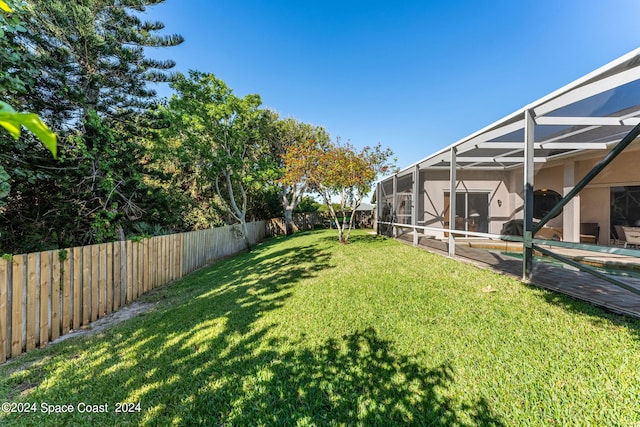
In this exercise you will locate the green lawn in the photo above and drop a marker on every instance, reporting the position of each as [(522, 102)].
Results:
[(305, 331)]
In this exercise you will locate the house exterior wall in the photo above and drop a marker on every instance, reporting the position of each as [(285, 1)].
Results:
[(505, 191), (595, 198), (593, 201), (595, 207), (550, 178), (434, 185), (623, 170)]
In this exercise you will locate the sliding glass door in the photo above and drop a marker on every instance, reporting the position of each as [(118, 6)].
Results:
[(472, 211)]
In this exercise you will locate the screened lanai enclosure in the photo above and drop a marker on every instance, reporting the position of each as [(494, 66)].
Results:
[(561, 174)]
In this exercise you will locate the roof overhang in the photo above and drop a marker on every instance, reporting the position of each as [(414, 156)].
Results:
[(592, 113)]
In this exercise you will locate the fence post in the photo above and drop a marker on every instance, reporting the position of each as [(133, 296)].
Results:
[(4, 284)]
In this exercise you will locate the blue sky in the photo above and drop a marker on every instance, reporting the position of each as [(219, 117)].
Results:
[(415, 76)]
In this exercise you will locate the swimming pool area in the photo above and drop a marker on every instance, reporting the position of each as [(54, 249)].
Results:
[(619, 270)]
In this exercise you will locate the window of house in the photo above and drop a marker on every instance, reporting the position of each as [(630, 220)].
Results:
[(472, 211), (625, 205)]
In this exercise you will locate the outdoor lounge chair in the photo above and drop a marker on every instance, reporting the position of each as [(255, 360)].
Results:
[(632, 236), (620, 239)]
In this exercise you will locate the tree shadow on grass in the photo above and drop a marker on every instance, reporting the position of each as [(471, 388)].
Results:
[(354, 380), (212, 356), (164, 356)]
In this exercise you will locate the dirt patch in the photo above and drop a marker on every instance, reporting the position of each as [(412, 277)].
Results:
[(124, 313)]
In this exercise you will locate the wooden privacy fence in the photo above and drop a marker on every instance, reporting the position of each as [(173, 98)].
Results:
[(46, 294), (301, 222)]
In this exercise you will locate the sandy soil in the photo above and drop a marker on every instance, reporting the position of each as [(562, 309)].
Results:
[(124, 313)]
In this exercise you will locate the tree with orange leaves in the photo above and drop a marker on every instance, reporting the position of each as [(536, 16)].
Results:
[(338, 170), (297, 145)]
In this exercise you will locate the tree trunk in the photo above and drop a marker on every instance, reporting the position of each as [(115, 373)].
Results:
[(245, 234), (288, 220)]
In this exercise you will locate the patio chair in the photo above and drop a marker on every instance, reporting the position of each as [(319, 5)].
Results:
[(632, 235), (621, 239), (589, 232)]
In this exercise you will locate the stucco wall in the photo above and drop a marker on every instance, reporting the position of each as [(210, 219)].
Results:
[(436, 183), (624, 170), (505, 190), (595, 207)]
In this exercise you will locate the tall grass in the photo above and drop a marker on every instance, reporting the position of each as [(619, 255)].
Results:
[(305, 331)]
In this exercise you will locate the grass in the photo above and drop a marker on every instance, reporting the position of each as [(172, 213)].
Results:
[(305, 331)]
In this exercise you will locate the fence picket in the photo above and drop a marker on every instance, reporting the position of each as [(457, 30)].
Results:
[(134, 272), (173, 258), (167, 259), (45, 296), (143, 267), (147, 265), (102, 279), (55, 295), (4, 282), (19, 265), (65, 277), (188, 256), (181, 255), (163, 268), (123, 273), (152, 255), (140, 269), (117, 263), (176, 256), (32, 297), (138, 282), (109, 277), (86, 284), (130, 263), (95, 280), (77, 288)]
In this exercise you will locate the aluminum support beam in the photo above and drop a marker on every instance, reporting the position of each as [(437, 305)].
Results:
[(527, 236), (452, 202), (394, 208), (587, 121), (378, 217), (571, 213), (414, 202)]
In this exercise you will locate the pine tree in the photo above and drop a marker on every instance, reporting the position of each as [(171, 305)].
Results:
[(92, 58), (92, 89)]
